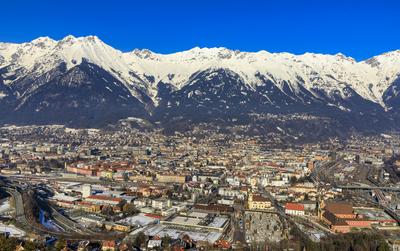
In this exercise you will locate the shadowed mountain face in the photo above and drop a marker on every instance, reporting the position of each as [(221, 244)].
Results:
[(88, 96), (211, 94), (85, 83), (84, 95), (391, 96)]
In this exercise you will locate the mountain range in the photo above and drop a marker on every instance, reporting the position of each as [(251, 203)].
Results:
[(84, 82)]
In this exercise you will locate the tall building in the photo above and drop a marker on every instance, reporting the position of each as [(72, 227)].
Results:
[(86, 190)]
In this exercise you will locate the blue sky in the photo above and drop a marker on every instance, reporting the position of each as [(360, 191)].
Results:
[(357, 28)]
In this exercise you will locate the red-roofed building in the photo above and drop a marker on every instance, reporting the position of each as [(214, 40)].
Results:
[(109, 246), (340, 217), (155, 216), (341, 210), (294, 209)]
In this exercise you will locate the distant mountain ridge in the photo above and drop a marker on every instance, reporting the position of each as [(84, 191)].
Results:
[(85, 82)]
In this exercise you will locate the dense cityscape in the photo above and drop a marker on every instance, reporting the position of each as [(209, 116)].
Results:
[(200, 125), (88, 189)]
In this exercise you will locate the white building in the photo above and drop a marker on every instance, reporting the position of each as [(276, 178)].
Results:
[(86, 190), (154, 244), (294, 209), (161, 203)]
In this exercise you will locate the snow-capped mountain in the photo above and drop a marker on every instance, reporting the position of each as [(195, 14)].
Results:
[(75, 78)]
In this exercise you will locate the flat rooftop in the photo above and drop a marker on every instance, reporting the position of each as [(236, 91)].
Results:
[(174, 233), (373, 214), (186, 220), (63, 197), (198, 215), (204, 221), (137, 220), (218, 222)]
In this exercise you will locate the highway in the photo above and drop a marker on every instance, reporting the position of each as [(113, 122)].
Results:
[(20, 215)]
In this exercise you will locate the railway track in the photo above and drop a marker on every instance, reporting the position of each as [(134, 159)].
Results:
[(72, 232)]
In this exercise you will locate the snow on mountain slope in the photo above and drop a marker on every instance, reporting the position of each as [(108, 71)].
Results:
[(325, 72), (387, 69), (44, 54), (143, 70)]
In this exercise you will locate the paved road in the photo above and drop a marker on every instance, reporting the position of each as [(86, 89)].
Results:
[(238, 230), (315, 223), (20, 215)]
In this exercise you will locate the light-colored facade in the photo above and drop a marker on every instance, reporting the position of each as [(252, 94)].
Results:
[(257, 202)]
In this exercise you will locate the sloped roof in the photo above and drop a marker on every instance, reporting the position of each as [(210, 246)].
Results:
[(294, 206), (339, 208)]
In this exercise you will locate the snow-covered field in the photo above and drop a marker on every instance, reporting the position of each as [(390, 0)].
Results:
[(14, 231), (4, 207)]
